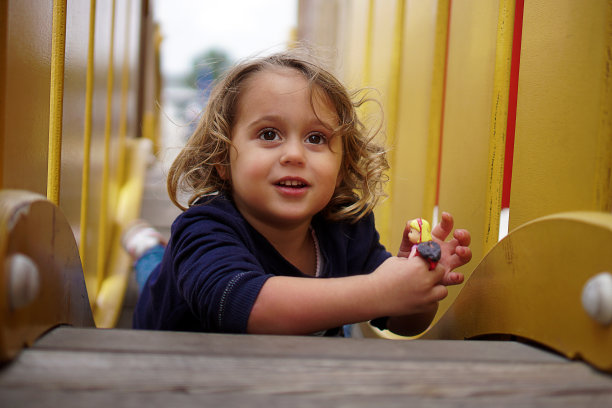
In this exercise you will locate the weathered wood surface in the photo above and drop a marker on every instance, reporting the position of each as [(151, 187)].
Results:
[(124, 368)]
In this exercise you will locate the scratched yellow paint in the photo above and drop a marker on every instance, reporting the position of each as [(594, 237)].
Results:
[(467, 117), (563, 148), (499, 122)]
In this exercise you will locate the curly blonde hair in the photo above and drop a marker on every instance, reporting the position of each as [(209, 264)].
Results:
[(364, 162)]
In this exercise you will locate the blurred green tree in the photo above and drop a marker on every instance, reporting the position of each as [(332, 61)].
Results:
[(207, 67)]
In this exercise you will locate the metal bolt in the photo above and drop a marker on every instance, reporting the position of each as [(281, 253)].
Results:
[(597, 298), (24, 280)]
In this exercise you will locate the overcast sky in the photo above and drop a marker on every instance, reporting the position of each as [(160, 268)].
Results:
[(241, 27)]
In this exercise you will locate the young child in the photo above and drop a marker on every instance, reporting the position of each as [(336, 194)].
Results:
[(279, 235)]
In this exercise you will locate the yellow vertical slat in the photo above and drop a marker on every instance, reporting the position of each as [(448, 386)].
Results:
[(354, 42), (58, 51), (499, 120), (467, 116), (125, 83), (87, 137), (3, 52), (385, 211), (436, 108), (413, 112), (563, 145), (367, 64), (603, 169), (104, 198), (384, 57)]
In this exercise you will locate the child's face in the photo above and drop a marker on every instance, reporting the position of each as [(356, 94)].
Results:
[(285, 164)]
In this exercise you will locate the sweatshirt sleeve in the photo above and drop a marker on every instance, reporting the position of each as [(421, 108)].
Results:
[(216, 272), (365, 252)]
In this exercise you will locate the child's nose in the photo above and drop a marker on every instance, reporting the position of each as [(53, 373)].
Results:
[(293, 152)]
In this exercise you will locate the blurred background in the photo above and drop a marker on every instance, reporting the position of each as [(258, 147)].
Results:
[(200, 39)]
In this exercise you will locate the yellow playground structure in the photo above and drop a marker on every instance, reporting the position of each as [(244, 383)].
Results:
[(497, 111)]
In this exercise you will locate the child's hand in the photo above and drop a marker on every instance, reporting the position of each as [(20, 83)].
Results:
[(406, 286), (455, 252)]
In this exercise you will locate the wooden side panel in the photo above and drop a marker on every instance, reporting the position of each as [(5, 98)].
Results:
[(563, 147), (51, 291)]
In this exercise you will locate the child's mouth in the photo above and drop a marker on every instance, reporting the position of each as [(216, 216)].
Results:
[(291, 184)]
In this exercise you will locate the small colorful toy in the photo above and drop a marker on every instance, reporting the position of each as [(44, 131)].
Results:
[(419, 236)]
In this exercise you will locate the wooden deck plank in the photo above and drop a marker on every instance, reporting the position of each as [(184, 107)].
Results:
[(71, 367), (66, 338)]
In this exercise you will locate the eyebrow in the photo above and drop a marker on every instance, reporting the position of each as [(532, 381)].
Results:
[(275, 118), (266, 118)]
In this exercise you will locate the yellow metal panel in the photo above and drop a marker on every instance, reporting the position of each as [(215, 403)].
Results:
[(382, 73), (353, 42), (416, 85), (25, 116), (467, 117), (530, 285), (563, 147), (436, 111)]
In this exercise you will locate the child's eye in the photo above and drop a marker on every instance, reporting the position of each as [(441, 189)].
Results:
[(269, 135), (316, 138)]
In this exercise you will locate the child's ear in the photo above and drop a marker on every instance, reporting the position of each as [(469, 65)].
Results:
[(222, 171)]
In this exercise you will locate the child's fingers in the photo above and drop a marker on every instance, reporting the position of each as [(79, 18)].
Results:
[(437, 274), (452, 278), (462, 236), (439, 292), (405, 244), (464, 253), (461, 256), (444, 228)]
